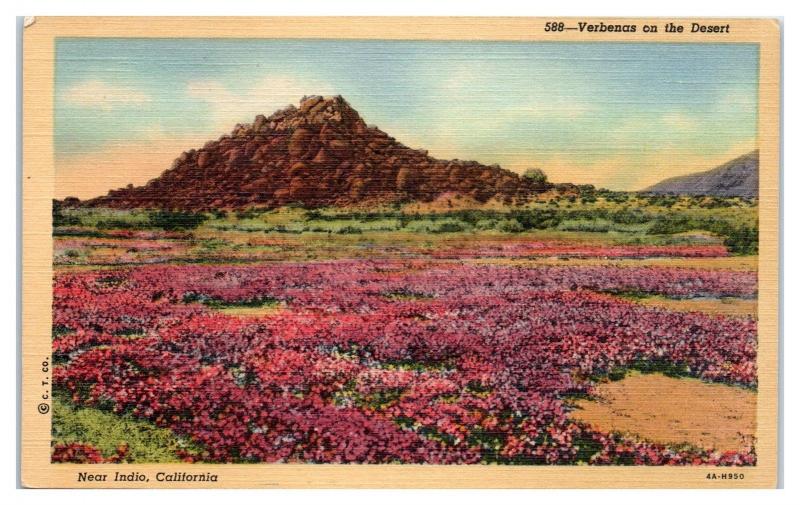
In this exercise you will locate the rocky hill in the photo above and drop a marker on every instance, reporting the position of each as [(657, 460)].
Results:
[(321, 153), (738, 177)]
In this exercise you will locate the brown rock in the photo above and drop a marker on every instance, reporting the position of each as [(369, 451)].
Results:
[(357, 189), (308, 103), (299, 188), (323, 158), (250, 148), (259, 123), (259, 185), (321, 153), (406, 180), (315, 111), (235, 155), (297, 168), (299, 142), (282, 195), (203, 159)]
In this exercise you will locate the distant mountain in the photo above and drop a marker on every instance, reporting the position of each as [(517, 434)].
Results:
[(318, 154), (738, 177)]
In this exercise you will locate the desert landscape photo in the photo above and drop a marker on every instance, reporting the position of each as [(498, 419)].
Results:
[(375, 252)]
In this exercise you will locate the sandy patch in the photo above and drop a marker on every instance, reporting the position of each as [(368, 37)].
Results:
[(266, 310), (673, 411), (717, 306)]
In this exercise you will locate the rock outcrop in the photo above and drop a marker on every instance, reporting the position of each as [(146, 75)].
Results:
[(738, 177), (318, 154)]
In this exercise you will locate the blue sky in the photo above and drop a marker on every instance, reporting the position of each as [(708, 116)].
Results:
[(616, 115)]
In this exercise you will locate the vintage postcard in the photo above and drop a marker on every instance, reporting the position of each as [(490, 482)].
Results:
[(400, 252)]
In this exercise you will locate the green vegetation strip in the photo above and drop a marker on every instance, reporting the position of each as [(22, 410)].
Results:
[(107, 431), (636, 218)]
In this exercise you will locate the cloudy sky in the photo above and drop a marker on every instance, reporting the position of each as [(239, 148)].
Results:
[(621, 116)]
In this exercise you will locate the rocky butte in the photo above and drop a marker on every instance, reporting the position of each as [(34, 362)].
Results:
[(321, 153)]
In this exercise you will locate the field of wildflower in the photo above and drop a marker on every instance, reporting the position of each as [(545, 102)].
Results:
[(236, 341)]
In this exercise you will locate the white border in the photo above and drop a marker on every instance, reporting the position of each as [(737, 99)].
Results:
[(8, 196)]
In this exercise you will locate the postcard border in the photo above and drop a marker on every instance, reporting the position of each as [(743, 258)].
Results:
[(37, 246)]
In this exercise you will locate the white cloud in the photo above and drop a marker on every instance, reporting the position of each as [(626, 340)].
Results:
[(101, 95)]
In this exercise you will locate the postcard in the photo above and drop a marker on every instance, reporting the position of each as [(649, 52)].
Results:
[(400, 252)]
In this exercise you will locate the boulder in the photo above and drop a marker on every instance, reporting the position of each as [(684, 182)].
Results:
[(299, 142), (323, 158), (203, 159), (259, 123)]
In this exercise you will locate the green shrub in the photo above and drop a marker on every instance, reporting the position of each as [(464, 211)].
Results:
[(60, 219), (247, 214), (535, 175), (510, 226), (420, 225), (617, 374), (449, 227), (176, 220), (117, 223), (742, 240), (627, 216), (536, 219), (668, 225), (616, 197), (486, 224), (661, 200), (349, 230), (738, 238), (469, 216), (583, 225)]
